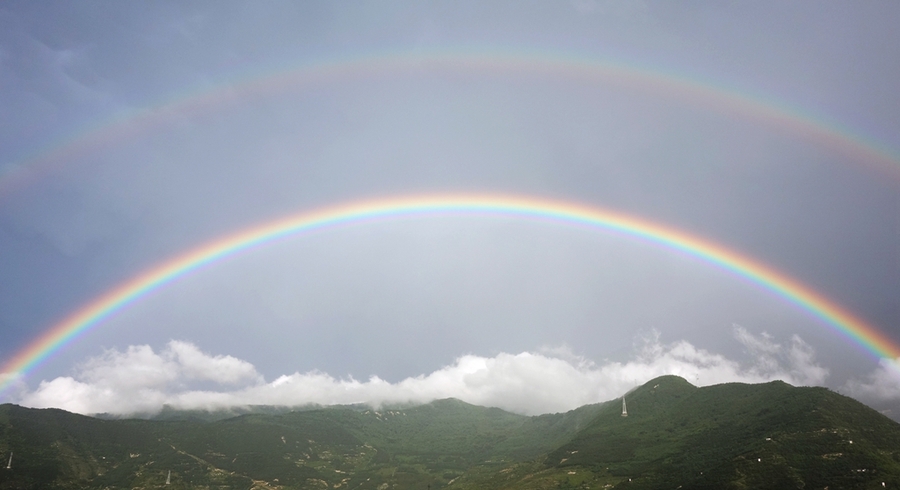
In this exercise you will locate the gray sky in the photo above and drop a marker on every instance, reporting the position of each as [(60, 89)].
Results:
[(130, 133)]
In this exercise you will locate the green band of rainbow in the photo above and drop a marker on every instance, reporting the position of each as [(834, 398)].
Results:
[(560, 212)]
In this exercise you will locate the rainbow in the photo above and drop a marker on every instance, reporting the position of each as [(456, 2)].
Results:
[(830, 135), (560, 212)]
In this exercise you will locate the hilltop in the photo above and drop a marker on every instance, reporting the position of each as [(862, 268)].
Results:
[(770, 435)]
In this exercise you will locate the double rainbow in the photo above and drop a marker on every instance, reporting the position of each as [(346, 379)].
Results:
[(529, 208), (859, 149)]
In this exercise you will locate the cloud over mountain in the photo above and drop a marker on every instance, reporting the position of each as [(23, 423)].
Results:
[(140, 380), (881, 385)]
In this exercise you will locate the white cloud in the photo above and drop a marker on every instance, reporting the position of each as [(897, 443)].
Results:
[(13, 384), (221, 369), (80, 397), (793, 363), (137, 367), (140, 380), (881, 385)]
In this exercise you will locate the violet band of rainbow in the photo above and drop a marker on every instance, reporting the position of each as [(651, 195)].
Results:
[(519, 207)]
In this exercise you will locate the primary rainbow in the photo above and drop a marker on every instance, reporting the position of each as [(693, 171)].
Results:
[(561, 212), (629, 76)]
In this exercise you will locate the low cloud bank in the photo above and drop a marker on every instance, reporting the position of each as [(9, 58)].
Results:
[(140, 380), (881, 385)]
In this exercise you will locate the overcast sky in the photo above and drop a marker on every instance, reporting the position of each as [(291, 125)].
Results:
[(132, 132)]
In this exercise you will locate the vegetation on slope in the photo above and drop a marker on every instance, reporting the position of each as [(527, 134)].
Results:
[(727, 436), (735, 435)]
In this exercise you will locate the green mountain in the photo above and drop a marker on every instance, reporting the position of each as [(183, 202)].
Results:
[(736, 436), (768, 435)]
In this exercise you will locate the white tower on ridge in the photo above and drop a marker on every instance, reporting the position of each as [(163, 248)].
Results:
[(624, 411), (169, 478), (9, 465)]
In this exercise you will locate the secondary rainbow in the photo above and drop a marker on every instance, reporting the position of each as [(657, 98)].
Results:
[(519, 207), (628, 76)]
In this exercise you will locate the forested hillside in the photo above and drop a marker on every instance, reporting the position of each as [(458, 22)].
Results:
[(727, 436)]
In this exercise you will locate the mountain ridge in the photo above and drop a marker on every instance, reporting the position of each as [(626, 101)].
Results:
[(724, 436)]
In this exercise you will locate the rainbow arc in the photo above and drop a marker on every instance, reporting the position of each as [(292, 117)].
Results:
[(583, 216), (859, 149)]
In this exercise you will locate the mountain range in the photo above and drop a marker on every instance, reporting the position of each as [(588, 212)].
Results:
[(675, 435)]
